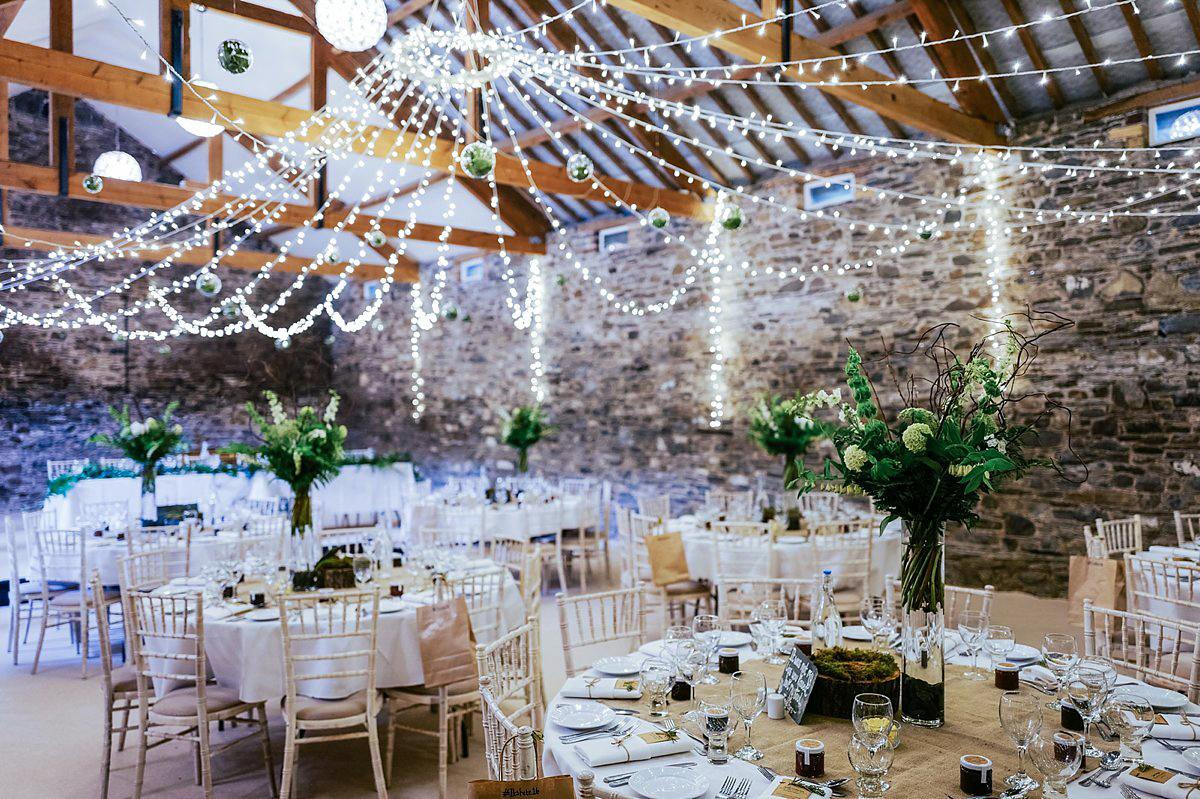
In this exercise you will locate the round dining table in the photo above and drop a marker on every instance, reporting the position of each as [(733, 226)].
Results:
[(926, 764)]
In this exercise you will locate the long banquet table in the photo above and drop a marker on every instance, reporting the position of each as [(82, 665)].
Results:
[(926, 760), (506, 520)]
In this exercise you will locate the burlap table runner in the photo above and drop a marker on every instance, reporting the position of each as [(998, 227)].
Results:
[(926, 763)]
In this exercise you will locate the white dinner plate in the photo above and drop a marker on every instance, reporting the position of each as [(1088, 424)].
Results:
[(1193, 756), (582, 715), (1023, 654), (664, 782), (618, 666), (734, 638), (1161, 698), (795, 632), (391, 605), (856, 632), (263, 614)]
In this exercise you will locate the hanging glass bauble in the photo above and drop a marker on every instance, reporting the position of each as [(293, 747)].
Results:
[(332, 255), (377, 325), (234, 56), (659, 218), (478, 159), (925, 233), (352, 25), (283, 343), (208, 284), (329, 340), (93, 184), (164, 349), (229, 310), (731, 217), (120, 336), (579, 167), (117, 165), (854, 294), (376, 238)]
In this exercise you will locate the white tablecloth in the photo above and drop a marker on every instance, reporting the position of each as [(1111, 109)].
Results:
[(357, 490), (526, 520), (1175, 595), (104, 554)]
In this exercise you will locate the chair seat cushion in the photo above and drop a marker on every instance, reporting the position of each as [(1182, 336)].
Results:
[(181, 702), (124, 679), (688, 587), (311, 709), (72, 597), (453, 689)]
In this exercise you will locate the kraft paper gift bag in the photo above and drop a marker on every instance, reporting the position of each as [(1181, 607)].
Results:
[(1102, 581), (545, 788), (668, 562), (447, 643)]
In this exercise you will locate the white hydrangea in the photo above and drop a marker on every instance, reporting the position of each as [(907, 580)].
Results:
[(317, 433), (915, 435), (137, 428), (855, 457)]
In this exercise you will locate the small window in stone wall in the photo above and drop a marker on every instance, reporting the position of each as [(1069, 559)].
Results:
[(470, 271), (1174, 122), (835, 190), (614, 239)]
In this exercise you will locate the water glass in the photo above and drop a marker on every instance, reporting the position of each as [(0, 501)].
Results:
[(691, 659), (706, 629), (1087, 690), (876, 619), (1058, 757), (972, 627), (870, 756), (657, 678), (999, 643), (1021, 719), (716, 727), (362, 568), (748, 695), (1060, 654), (1130, 716), (772, 614)]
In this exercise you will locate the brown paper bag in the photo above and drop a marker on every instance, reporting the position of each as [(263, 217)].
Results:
[(668, 561), (447, 643), (545, 788), (1102, 581)]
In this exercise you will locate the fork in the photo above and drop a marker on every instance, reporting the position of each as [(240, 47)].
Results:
[(1129, 793), (726, 788), (1174, 747), (742, 790), (608, 732)]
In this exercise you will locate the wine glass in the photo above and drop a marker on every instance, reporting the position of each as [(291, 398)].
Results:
[(1058, 758), (872, 713), (362, 568), (972, 627), (657, 678), (1087, 689), (999, 643), (1021, 719), (691, 658), (772, 614), (748, 694), (876, 617), (1130, 716), (1060, 653), (870, 756), (677, 633), (706, 628)]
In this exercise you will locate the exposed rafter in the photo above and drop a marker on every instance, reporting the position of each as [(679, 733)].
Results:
[(1133, 21), (957, 60), (1017, 17), (1085, 42)]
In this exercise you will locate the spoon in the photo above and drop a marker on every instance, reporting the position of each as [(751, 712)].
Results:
[(1110, 760)]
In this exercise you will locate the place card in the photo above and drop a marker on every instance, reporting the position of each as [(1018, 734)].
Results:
[(659, 737), (791, 790), (1151, 774), (796, 684)]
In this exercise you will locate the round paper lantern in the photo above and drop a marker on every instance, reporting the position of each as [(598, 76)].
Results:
[(234, 56), (477, 159), (352, 25), (117, 165), (579, 167), (199, 127)]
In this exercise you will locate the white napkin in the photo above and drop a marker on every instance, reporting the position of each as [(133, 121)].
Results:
[(1171, 725), (1179, 786), (1039, 674), (637, 746), (602, 688)]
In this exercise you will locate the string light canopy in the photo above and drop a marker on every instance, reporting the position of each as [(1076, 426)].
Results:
[(352, 25)]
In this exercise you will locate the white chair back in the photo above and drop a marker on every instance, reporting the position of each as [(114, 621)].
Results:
[(508, 748), (59, 468), (96, 515), (742, 549), (958, 600), (1162, 587), (1119, 536), (738, 597), (733, 505), (590, 619), (39, 520), (329, 645), (1153, 649), (655, 505), (512, 665), (819, 505), (847, 555), (483, 592), (1187, 528)]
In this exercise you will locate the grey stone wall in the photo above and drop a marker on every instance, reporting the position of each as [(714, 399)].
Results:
[(630, 393)]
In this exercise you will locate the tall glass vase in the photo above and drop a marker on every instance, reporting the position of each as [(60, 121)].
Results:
[(923, 595), (301, 512), (149, 514), (523, 460)]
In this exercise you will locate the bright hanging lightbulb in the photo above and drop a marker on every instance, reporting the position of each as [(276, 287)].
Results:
[(198, 127), (117, 165), (352, 25)]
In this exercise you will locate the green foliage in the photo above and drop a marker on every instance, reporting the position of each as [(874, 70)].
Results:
[(305, 450), (62, 485), (855, 665), (521, 428), (144, 443), (384, 461)]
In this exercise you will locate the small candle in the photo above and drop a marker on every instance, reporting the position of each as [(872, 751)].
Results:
[(975, 775), (728, 661), (810, 758), (774, 706), (1008, 676)]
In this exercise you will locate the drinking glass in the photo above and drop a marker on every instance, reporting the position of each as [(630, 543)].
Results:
[(872, 713), (1087, 690), (876, 618), (748, 694), (870, 756), (772, 614), (1021, 719), (972, 627), (1060, 653), (1130, 716), (678, 633), (706, 629), (715, 719), (362, 568), (999, 643), (657, 678), (1102, 665), (690, 661), (1058, 757)]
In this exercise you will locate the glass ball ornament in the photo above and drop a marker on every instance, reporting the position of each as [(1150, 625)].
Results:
[(199, 127), (331, 256), (330, 340), (854, 294), (478, 159), (164, 349), (377, 325), (731, 217), (229, 310), (120, 336), (234, 56), (93, 184), (208, 284), (117, 165), (925, 234), (375, 238), (580, 167), (352, 25), (659, 218), (283, 343)]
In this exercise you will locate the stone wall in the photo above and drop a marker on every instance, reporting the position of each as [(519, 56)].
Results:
[(55, 385), (630, 394)]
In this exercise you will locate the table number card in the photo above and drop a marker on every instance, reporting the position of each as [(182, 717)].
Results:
[(791, 790), (796, 684), (1152, 774)]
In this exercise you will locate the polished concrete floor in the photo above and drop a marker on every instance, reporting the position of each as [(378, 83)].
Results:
[(50, 730)]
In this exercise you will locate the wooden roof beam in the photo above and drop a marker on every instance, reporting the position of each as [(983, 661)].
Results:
[(82, 77), (1085, 42), (1017, 17), (964, 21), (8, 14), (1186, 90), (904, 103), (267, 16), (407, 10), (1133, 21), (957, 60)]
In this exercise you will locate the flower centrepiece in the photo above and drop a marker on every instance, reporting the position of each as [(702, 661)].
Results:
[(145, 443), (787, 427), (521, 428)]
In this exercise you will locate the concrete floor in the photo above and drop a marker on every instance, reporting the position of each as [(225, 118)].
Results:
[(50, 730)]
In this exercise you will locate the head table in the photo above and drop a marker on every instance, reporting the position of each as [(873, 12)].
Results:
[(514, 520), (926, 761)]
